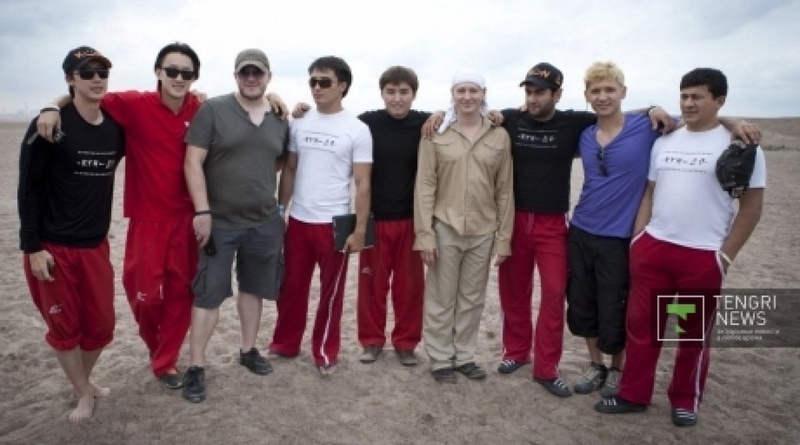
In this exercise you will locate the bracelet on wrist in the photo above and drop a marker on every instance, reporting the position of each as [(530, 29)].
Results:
[(202, 212), (726, 257), (49, 108), (650, 110)]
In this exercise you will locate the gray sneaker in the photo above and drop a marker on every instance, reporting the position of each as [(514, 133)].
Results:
[(407, 357), (611, 387), (370, 354), (592, 379)]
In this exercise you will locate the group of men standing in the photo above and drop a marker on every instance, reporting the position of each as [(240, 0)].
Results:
[(202, 197)]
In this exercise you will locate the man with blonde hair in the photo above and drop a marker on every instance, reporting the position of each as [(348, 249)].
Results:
[(615, 154)]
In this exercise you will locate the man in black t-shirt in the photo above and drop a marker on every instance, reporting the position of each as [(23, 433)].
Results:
[(64, 197), (544, 142), (392, 265)]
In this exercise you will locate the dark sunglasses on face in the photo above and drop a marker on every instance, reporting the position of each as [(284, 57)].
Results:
[(323, 82), (173, 73), (245, 73), (88, 73)]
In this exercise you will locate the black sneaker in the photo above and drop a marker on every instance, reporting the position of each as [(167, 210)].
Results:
[(683, 417), (444, 375), (510, 365), (253, 361), (618, 405), (172, 381), (472, 371), (194, 385), (555, 386)]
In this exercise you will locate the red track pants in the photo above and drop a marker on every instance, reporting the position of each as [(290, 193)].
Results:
[(662, 268), (306, 246), (538, 240), (391, 265)]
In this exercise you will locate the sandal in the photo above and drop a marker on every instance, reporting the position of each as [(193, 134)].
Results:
[(327, 370)]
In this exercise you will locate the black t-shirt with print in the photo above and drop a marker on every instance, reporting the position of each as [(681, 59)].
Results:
[(66, 189), (543, 154)]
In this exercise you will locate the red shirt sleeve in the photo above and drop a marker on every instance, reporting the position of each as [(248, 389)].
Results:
[(119, 105)]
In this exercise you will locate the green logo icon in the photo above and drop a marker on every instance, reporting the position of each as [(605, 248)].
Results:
[(682, 310)]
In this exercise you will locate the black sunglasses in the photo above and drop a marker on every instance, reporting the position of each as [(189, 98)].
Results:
[(88, 73), (601, 158), (173, 73), (244, 73), (323, 82)]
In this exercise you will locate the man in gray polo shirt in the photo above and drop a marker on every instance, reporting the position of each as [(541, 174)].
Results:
[(235, 148)]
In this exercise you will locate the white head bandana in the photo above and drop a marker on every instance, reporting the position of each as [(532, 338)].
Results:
[(466, 75)]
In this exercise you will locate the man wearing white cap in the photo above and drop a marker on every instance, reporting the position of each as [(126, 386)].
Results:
[(462, 216)]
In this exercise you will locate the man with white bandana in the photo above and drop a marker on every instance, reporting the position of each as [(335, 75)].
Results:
[(462, 216)]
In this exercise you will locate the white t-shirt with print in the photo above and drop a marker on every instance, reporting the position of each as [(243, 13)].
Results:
[(327, 146), (689, 206)]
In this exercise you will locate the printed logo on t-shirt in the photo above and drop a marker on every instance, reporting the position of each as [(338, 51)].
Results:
[(539, 139), (687, 162), (318, 141), (55, 309), (95, 163)]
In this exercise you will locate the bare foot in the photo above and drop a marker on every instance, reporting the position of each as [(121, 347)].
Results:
[(84, 409), (99, 391)]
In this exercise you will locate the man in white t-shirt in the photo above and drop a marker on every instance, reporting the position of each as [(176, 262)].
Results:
[(687, 236), (326, 148)]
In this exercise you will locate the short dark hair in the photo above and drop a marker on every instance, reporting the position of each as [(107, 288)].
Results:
[(716, 82), (339, 68), (182, 48), (398, 75)]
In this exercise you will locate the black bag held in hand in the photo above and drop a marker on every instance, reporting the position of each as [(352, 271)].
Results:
[(735, 167), (344, 225)]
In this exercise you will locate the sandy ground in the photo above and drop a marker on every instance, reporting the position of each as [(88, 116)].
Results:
[(751, 394)]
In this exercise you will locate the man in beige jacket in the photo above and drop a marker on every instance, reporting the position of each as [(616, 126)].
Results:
[(462, 216)]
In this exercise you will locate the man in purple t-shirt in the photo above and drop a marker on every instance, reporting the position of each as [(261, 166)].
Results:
[(615, 153)]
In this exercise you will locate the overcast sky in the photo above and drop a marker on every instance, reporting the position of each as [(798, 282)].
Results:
[(756, 43)]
